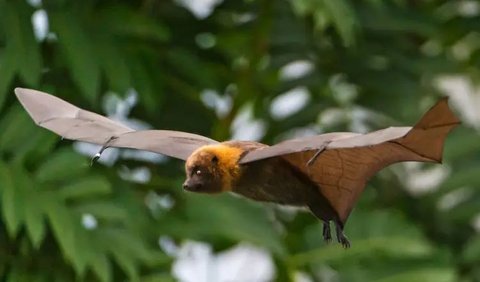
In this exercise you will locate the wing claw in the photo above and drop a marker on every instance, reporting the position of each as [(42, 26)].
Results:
[(314, 158), (105, 146)]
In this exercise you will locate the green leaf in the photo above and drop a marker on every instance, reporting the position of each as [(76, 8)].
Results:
[(77, 47), (12, 200), (233, 218), (393, 246), (158, 277), (34, 214), (113, 63), (471, 251), (63, 226), (88, 187), (64, 164), (34, 220), (12, 139), (102, 209), (142, 81), (8, 66), (20, 37), (139, 25), (101, 267), (424, 275), (343, 17)]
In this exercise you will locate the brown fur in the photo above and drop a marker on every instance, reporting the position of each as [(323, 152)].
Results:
[(270, 180)]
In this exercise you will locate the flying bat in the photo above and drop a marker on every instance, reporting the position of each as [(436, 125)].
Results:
[(325, 173)]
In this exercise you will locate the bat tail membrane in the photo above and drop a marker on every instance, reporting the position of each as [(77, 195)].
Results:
[(427, 137)]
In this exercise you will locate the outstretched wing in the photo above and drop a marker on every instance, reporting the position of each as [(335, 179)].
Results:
[(73, 123), (340, 164)]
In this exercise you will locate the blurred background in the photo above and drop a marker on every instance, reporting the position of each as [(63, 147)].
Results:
[(254, 70)]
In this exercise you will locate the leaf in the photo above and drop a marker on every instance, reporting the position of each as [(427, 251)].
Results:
[(87, 187), (158, 277), (230, 217), (12, 200), (142, 82), (471, 251), (113, 64), (19, 32), (76, 46), (8, 66), (34, 220), (101, 267), (62, 165), (343, 17), (139, 25), (119, 247), (102, 209), (63, 226), (393, 246), (12, 138), (425, 275), (34, 214)]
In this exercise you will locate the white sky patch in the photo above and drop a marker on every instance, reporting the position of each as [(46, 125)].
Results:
[(299, 132), (359, 118), (89, 221), (137, 175), (197, 263), (40, 24), (167, 245), (155, 201), (468, 8), (331, 117), (299, 276), (476, 223), (420, 181), (454, 198), (344, 92), (201, 9), (464, 96), (296, 69), (246, 127), (139, 155), (221, 104), (289, 103), (35, 3)]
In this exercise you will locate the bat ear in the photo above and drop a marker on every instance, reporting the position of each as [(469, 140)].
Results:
[(215, 159)]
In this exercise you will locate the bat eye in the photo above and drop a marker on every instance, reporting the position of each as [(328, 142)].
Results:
[(198, 172)]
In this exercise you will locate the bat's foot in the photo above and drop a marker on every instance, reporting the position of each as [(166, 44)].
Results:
[(342, 239), (327, 234)]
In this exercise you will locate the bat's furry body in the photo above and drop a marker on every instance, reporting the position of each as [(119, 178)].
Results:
[(325, 173)]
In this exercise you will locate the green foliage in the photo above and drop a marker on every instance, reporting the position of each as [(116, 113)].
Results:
[(374, 63)]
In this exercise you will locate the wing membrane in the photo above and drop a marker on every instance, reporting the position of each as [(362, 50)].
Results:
[(348, 161), (74, 123)]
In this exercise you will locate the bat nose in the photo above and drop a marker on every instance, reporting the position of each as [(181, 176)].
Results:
[(189, 186)]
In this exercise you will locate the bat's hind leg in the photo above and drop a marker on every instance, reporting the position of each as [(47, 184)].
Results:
[(320, 214), (342, 239), (327, 234)]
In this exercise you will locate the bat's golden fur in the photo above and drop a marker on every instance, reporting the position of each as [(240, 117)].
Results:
[(227, 167)]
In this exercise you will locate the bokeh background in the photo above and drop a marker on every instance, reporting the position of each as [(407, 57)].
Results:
[(263, 70)]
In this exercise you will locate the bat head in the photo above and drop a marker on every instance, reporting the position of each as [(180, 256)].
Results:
[(212, 169)]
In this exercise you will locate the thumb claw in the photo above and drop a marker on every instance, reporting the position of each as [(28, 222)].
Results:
[(95, 158)]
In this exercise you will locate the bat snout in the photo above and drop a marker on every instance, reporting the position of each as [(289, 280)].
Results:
[(192, 186)]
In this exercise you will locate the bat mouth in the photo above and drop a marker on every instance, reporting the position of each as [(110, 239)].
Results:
[(192, 187)]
